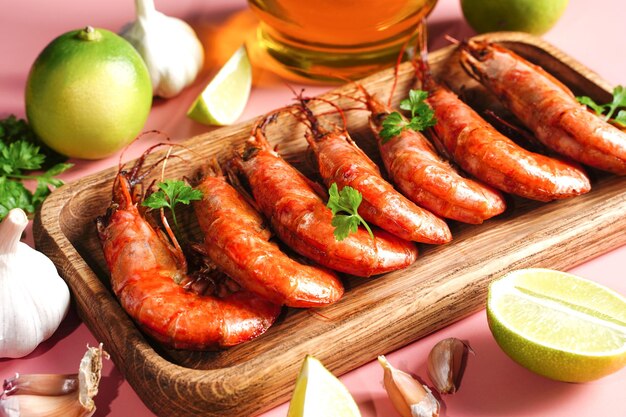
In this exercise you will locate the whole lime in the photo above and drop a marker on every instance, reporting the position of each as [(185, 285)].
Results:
[(88, 93), (532, 16)]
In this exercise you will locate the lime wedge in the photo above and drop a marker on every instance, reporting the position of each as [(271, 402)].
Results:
[(223, 100), (558, 325), (319, 393)]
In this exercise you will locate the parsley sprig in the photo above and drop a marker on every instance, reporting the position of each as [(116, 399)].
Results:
[(422, 116), (21, 158), (348, 201), (607, 110), (171, 193)]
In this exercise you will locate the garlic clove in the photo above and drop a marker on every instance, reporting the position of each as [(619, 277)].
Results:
[(39, 384), (408, 396), (41, 395), (44, 406), (446, 363)]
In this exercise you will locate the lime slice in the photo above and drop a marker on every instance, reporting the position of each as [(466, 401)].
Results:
[(320, 393), (558, 325), (223, 100)]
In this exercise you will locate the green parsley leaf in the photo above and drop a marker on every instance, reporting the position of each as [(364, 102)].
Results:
[(619, 96), (21, 158), (348, 201), (47, 180), (621, 118), (588, 101), (422, 116), (13, 194), (619, 100), (425, 117), (344, 225), (393, 125), (171, 193), (416, 99), (13, 129), (56, 170)]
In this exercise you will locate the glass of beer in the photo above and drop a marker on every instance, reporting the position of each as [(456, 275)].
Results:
[(328, 40)]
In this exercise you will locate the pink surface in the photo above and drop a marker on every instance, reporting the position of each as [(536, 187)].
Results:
[(494, 385)]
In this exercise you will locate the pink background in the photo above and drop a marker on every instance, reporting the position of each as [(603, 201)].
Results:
[(592, 32)]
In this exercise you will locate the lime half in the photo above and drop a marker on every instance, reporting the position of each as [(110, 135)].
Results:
[(319, 393), (223, 100), (558, 325)]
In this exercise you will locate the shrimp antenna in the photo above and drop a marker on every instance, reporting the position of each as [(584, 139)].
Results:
[(293, 90), (452, 39), (313, 121), (165, 159), (359, 87), (363, 91), (138, 137), (134, 175), (422, 44), (421, 65), (396, 70), (262, 122), (134, 171)]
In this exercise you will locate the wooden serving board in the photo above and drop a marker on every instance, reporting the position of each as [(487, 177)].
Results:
[(377, 315)]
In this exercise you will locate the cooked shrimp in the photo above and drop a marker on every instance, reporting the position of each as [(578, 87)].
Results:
[(341, 161), (145, 271), (547, 107), (426, 178), (495, 159), (237, 241), (482, 151), (301, 219)]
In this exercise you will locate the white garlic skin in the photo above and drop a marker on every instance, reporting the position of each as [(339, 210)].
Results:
[(34, 299), (169, 47)]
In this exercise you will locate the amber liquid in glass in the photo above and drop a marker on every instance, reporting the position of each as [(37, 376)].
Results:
[(330, 39)]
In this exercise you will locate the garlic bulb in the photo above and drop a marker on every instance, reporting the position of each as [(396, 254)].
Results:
[(33, 297), (169, 47)]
